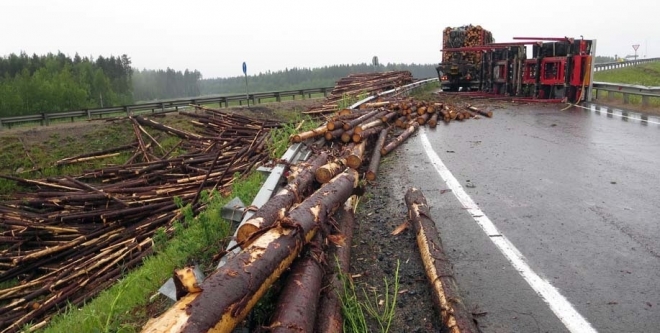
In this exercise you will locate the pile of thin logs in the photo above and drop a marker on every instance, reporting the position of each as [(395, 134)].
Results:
[(356, 85), (465, 36), (71, 237)]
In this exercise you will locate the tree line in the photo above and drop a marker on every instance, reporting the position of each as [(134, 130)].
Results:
[(57, 82)]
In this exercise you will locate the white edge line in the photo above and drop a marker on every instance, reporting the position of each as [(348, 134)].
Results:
[(562, 308), (618, 115)]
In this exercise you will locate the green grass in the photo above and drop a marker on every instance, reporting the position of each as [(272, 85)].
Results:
[(374, 307), (121, 307), (645, 75), (425, 92), (280, 138)]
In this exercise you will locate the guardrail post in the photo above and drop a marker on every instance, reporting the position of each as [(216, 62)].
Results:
[(89, 114), (162, 107), (645, 101), (626, 98), (325, 92), (596, 93), (277, 97), (128, 111), (226, 102)]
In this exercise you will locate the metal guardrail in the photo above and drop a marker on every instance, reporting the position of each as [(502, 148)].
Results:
[(626, 90), (628, 63), (171, 106)]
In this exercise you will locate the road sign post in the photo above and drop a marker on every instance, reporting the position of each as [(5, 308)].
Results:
[(635, 47), (247, 92)]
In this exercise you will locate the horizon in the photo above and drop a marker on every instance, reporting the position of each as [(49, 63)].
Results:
[(215, 38)]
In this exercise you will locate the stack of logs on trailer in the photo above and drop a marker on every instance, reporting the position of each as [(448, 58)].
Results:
[(559, 70)]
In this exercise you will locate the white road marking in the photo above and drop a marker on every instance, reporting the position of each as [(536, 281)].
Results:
[(562, 308), (619, 115)]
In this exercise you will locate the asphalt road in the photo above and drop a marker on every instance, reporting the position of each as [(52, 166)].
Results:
[(576, 192)]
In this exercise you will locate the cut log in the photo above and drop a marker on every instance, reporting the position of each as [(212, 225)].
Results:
[(349, 125), (347, 136), (402, 137), (388, 117), (434, 120), (488, 114), (377, 104), (279, 204), (329, 319), (372, 171), (232, 291), (357, 138), (330, 170), (296, 306), (422, 119), (401, 122), (363, 127), (300, 137), (331, 135), (453, 312), (333, 125), (354, 160)]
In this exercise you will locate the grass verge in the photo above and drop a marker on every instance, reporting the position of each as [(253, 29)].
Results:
[(426, 92), (374, 307), (121, 307), (645, 75)]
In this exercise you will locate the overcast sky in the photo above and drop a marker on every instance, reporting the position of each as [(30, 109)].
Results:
[(215, 37)]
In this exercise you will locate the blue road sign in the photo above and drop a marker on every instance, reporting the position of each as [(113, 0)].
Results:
[(244, 68)]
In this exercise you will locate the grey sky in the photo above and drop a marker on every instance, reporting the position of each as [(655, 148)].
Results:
[(215, 37)]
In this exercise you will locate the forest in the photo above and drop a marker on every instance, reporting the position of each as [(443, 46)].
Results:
[(57, 82)]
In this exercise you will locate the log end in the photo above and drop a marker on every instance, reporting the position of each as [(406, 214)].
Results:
[(245, 231), (354, 161), (296, 139), (370, 175), (357, 137), (346, 138), (324, 174)]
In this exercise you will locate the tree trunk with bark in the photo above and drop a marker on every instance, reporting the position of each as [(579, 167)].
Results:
[(231, 292), (277, 206), (299, 299), (453, 312), (396, 142), (329, 319), (372, 171)]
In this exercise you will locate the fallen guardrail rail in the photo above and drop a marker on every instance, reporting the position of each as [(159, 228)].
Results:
[(607, 90)]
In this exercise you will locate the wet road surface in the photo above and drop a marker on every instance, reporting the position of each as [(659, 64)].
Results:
[(577, 192)]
